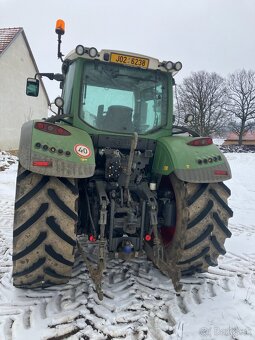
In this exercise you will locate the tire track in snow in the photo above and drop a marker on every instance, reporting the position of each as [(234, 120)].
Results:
[(6, 213), (138, 299)]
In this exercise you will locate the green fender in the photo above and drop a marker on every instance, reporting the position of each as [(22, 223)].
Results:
[(70, 155), (195, 164)]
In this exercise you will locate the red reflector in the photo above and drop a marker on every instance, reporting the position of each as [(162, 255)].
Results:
[(147, 237), (51, 128), (92, 238), (201, 141), (220, 172), (42, 163)]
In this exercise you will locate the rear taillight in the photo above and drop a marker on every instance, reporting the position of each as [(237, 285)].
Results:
[(220, 172), (51, 128), (42, 163), (201, 141)]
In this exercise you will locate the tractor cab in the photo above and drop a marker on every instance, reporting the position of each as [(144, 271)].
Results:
[(119, 92)]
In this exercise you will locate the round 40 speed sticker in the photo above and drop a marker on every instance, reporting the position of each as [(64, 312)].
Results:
[(82, 150)]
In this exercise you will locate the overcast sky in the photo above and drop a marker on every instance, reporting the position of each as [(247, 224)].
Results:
[(211, 35)]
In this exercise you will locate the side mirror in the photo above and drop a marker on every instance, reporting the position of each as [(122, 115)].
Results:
[(32, 88)]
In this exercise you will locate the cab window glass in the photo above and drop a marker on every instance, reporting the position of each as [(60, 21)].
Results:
[(68, 88), (123, 99)]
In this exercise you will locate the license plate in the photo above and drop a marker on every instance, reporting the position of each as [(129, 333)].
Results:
[(129, 60)]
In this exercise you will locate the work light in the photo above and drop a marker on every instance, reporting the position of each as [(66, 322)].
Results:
[(80, 50), (93, 52)]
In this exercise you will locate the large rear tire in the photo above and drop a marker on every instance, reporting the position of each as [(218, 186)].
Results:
[(202, 215), (44, 234)]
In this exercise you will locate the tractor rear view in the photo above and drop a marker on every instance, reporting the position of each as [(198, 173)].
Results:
[(111, 166)]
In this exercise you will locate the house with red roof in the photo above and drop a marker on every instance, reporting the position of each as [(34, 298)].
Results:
[(248, 138), (16, 65)]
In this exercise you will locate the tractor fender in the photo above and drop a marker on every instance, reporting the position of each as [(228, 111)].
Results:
[(62, 155), (195, 164)]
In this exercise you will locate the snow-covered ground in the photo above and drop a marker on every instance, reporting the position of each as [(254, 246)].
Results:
[(139, 302)]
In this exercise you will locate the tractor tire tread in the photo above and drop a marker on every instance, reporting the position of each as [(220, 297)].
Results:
[(30, 269), (197, 194), (58, 257), (55, 227), (44, 230), (201, 237), (221, 202), (202, 215), (33, 219), (61, 205), (38, 241), (32, 192), (201, 225)]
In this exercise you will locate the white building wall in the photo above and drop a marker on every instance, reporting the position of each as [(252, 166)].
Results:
[(16, 107)]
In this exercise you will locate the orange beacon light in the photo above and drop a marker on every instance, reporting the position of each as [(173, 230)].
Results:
[(60, 27)]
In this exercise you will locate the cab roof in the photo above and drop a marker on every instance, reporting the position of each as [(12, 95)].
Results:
[(122, 57)]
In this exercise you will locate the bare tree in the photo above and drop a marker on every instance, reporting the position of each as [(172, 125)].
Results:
[(241, 89), (204, 95)]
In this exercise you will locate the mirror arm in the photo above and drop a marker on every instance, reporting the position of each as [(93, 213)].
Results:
[(48, 75), (51, 76)]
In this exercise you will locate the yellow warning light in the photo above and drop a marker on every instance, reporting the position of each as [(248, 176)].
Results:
[(60, 27), (165, 167)]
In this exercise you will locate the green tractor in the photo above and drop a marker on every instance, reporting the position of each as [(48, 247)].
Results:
[(112, 167)]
